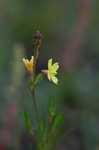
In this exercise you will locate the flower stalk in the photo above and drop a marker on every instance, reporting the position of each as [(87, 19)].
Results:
[(36, 44), (46, 132), (35, 104)]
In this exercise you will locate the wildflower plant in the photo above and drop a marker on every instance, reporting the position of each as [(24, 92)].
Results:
[(47, 130)]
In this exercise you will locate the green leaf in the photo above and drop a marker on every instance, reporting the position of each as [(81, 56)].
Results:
[(27, 122), (31, 84), (52, 109), (56, 127), (58, 121), (41, 127), (38, 79)]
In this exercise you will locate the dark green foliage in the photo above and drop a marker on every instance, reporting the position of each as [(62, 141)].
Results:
[(48, 131), (27, 122)]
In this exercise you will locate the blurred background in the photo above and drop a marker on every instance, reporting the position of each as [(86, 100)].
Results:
[(70, 32)]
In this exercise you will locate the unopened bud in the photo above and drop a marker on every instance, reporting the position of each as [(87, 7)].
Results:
[(36, 39), (37, 35)]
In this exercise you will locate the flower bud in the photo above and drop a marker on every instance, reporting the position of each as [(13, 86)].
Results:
[(37, 39)]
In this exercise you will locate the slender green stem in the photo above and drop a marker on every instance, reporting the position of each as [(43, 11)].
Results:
[(33, 90), (35, 105)]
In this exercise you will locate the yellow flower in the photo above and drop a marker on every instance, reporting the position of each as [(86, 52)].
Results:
[(29, 64), (52, 71)]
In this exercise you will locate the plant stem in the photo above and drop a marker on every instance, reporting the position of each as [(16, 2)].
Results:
[(34, 63), (33, 90), (35, 104)]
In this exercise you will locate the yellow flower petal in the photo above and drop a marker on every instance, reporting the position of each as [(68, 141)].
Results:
[(49, 63), (55, 80), (32, 60), (28, 64), (52, 71), (55, 66), (24, 61), (49, 75)]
